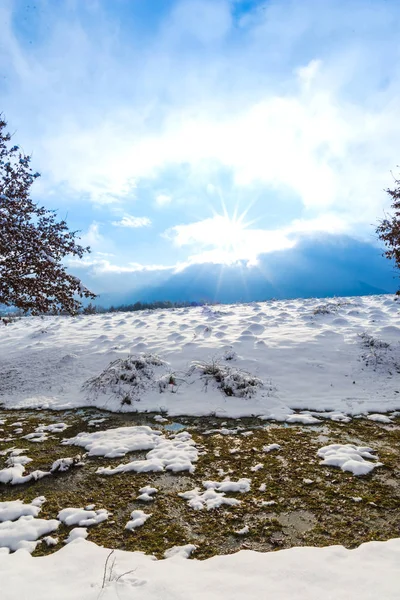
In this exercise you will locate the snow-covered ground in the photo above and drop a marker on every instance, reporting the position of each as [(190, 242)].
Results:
[(81, 571), (295, 361), (265, 359)]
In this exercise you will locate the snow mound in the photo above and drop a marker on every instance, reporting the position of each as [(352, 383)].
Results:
[(303, 418), (214, 496), (379, 418), (181, 551), (138, 518), (356, 459), (14, 475), (82, 517), (271, 447), (78, 533), (146, 494), (25, 532), (303, 573), (14, 509), (115, 443), (241, 485), (64, 464), (175, 454)]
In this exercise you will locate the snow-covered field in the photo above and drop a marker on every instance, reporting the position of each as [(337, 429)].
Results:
[(265, 359), (78, 572), (297, 361)]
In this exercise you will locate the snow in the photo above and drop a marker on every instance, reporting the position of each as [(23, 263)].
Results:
[(76, 572), (257, 467), (52, 428), (242, 485), (19, 459), (302, 361), (138, 518), (243, 531), (271, 447), (184, 551), (78, 533), (64, 464), (303, 418), (50, 540), (356, 459), (14, 509), (176, 453), (82, 517), (24, 532), (305, 357), (160, 419), (146, 494), (115, 443), (214, 496), (15, 475), (378, 418)]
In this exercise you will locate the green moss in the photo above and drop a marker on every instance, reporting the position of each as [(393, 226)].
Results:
[(319, 514)]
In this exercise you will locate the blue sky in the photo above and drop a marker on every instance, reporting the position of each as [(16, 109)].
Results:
[(181, 133)]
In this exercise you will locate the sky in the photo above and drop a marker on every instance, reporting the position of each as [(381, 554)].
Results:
[(188, 134)]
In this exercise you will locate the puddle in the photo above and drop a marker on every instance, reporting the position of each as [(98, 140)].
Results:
[(175, 427)]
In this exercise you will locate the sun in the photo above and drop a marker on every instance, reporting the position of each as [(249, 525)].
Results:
[(230, 232)]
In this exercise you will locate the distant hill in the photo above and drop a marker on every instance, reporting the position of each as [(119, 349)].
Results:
[(332, 266)]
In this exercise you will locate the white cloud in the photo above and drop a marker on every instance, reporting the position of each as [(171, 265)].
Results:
[(163, 199), (132, 222), (225, 241), (100, 266), (238, 97), (92, 237)]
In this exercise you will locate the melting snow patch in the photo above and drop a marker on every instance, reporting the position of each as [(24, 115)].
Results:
[(19, 459), (146, 493), (181, 551), (138, 518), (303, 418), (25, 532), (214, 496), (271, 447), (14, 475), (78, 533), (14, 509), (172, 454), (36, 437), (50, 541), (222, 431), (64, 464), (257, 467), (349, 458), (115, 443), (82, 517), (379, 418), (243, 531), (52, 428), (241, 485), (160, 419), (209, 499)]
